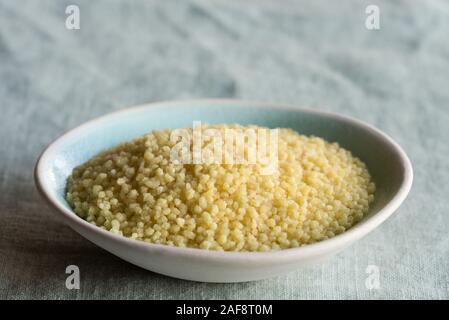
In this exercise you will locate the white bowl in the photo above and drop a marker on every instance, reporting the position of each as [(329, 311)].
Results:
[(387, 162)]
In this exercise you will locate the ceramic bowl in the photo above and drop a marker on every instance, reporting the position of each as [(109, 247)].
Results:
[(386, 161)]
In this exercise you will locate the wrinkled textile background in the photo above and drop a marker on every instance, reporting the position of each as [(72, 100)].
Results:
[(316, 53)]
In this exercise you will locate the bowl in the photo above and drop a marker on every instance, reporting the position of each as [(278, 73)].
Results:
[(388, 164)]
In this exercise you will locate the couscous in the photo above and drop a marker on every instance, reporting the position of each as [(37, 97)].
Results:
[(317, 190)]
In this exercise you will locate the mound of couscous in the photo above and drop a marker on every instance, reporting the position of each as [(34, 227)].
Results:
[(136, 189)]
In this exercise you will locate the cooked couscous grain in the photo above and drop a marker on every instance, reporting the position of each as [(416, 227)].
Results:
[(319, 190)]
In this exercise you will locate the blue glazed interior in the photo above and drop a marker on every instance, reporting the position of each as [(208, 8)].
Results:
[(382, 162)]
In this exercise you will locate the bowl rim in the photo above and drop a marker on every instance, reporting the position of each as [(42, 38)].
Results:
[(356, 232)]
